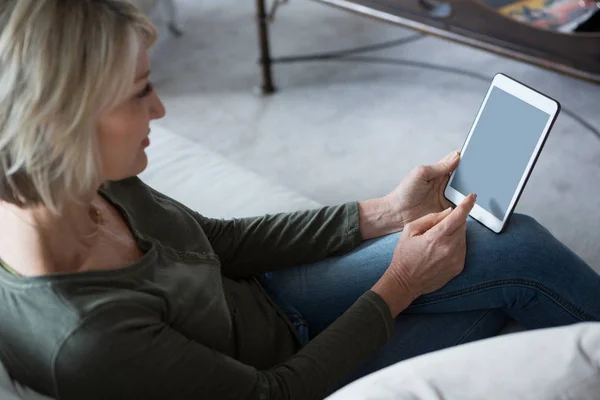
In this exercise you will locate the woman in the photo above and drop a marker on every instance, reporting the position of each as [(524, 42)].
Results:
[(110, 289)]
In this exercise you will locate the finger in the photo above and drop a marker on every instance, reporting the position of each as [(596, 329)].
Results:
[(444, 203), (461, 231), (423, 224), (456, 218), (443, 167)]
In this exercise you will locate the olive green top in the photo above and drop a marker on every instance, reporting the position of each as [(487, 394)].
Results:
[(189, 320)]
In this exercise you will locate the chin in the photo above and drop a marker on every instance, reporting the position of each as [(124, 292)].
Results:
[(141, 164), (134, 170), (127, 171)]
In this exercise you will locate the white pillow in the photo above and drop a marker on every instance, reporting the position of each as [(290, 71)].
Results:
[(211, 184), (545, 364)]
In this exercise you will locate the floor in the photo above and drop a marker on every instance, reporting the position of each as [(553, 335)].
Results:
[(341, 131)]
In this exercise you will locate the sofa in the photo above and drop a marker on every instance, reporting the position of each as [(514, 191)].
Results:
[(546, 364), (179, 167)]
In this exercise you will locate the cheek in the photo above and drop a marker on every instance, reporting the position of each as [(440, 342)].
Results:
[(120, 140), (127, 128)]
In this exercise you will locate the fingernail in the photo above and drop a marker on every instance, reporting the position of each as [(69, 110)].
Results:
[(447, 209), (455, 155), (474, 196)]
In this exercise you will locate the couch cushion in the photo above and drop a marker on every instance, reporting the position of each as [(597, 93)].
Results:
[(209, 183), (554, 363)]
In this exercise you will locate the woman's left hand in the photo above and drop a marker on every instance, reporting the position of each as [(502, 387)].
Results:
[(422, 191)]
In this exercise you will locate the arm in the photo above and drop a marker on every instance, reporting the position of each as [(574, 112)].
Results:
[(250, 246), (421, 193), (378, 218), (142, 357), (254, 245)]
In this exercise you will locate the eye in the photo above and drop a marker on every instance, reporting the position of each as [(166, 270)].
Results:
[(147, 90)]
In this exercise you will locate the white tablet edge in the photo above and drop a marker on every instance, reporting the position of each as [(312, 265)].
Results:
[(531, 97)]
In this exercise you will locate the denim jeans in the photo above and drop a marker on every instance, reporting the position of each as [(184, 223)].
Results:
[(523, 274)]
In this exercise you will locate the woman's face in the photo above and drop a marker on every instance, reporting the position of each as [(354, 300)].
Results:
[(123, 131)]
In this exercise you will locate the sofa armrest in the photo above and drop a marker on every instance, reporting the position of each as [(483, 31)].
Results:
[(554, 363)]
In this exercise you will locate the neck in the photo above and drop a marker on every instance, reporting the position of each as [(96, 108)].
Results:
[(35, 241)]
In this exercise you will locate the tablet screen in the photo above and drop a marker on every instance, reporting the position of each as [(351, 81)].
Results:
[(499, 150)]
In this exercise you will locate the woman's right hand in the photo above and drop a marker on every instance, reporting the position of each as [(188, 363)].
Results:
[(431, 251)]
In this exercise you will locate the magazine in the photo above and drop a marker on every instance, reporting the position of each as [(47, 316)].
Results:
[(559, 15)]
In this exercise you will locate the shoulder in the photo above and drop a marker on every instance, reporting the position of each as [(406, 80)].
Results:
[(158, 216), (133, 190)]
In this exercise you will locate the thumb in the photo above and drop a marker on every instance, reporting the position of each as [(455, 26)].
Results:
[(443, 167), (423, 224)]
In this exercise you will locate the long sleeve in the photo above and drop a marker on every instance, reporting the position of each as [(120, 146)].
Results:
[(250, 246), (126, 351)]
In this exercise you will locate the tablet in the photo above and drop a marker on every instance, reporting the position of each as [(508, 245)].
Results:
[(501, 149)]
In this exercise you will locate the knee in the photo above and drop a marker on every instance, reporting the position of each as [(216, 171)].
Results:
[(524, 250), (526, 242), (521, 237), (526, 229), (519, 225), (521, 221)]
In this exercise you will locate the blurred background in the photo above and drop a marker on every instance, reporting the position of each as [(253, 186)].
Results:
[(338, 131)]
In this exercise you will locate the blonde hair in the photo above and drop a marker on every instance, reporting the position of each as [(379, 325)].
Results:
[(62, 64)]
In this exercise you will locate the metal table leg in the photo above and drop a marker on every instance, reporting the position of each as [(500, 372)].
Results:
[(262, 21), (174, 26)]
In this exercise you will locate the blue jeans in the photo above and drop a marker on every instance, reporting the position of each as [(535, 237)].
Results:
[(523, 274)]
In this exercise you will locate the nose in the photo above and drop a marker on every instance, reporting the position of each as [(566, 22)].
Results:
[(157, 108)]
